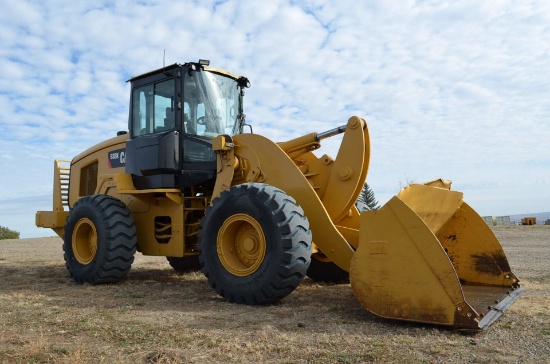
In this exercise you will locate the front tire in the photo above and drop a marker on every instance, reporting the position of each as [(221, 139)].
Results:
[(255, 244), (322, 269), (99, 241)]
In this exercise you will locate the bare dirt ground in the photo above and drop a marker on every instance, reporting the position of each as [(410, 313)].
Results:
[(157, 316)]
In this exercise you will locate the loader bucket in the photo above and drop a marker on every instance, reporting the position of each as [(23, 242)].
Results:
[(427, 256)]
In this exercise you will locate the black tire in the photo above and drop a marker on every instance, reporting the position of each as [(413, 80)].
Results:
[(271, 219), (323, 270), (99, 241), (185, 264)]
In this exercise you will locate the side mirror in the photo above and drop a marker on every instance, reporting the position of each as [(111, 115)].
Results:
[(243, 82)]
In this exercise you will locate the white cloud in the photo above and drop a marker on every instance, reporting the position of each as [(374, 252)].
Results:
[(451, 89)]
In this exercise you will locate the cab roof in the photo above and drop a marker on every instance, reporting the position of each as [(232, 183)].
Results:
[(179, 65)]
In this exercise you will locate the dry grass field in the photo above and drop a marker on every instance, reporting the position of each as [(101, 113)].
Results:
[(157, 316)]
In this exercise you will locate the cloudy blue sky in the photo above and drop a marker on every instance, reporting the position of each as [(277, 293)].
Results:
[(452, 89)]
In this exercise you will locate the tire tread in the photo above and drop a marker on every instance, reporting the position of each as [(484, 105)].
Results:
[(295, 235), (120, 241)]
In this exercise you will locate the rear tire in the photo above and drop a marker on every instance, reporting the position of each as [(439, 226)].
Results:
[(185, 264), (99, 241), (255, 244)]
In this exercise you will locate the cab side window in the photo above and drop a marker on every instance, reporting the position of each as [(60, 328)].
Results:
[(153, 108)]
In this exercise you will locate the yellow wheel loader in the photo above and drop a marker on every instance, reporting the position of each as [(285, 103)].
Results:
[(187, 183)]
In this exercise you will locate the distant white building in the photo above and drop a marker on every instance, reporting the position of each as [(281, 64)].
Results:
[(502, 221), (489, 220)]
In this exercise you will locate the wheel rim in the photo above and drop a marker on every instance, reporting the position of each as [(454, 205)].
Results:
[(320, 257), (84, 241), (241, 245)]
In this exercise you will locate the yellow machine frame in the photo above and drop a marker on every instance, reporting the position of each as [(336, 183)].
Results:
[(424, 256)]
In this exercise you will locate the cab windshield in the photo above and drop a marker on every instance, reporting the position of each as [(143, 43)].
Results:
[(211, 104)]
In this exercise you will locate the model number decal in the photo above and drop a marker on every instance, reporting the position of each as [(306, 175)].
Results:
[(117, 158)]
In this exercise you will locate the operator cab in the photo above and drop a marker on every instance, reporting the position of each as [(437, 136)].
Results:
[(174, 114)]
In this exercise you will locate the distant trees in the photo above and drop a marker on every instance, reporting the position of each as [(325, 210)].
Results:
[(6, 233), (367, 198)]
